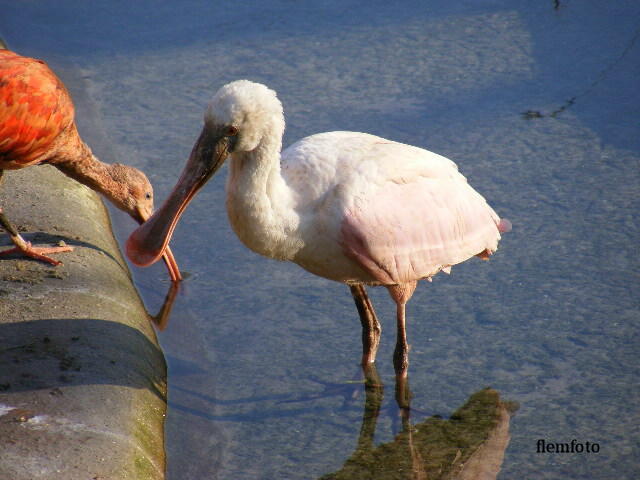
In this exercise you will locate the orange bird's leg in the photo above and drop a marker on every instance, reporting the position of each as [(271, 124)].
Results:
[(24, 247)]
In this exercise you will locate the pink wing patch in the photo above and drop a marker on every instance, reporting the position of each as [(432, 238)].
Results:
[(408, 231)]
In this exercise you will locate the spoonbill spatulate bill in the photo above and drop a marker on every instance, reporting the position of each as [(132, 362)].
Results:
[(347, 206), (37, 126)]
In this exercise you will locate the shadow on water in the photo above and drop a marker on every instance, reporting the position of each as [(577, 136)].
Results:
[(260, 413), (53, 353)]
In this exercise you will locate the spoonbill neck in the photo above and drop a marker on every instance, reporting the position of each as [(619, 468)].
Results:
[(260, 202)]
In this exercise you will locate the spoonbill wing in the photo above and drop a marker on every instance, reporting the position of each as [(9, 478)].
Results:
[(422, 218)]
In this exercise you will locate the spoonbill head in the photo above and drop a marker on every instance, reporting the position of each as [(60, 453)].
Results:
[(347, 206), (241, 117)]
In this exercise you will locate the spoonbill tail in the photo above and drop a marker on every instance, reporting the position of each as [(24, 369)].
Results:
[(350, 207), (37, 126)]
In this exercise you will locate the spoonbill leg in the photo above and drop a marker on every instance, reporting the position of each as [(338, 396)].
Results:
[(401, 294), (371, 328)]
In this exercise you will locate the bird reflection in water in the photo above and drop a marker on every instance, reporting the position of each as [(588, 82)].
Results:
[(161, 319), (468, 445)]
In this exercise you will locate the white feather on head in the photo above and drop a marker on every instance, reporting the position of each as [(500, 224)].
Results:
[(252, 108)]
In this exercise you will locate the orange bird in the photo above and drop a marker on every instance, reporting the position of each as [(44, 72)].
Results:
[(37, 126)]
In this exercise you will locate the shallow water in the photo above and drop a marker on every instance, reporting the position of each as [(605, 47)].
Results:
[(263, 375)]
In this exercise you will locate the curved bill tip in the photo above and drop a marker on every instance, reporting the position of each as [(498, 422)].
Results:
[(144, 253), (139, 251), (172, 265)]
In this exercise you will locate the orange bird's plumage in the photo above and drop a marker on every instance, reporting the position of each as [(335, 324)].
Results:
[(35, 108)]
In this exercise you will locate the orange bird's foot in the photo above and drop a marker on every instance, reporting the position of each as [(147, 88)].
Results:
[(38, 252)]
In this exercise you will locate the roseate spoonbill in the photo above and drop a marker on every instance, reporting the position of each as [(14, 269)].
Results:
[(37, 126), (346, 206)]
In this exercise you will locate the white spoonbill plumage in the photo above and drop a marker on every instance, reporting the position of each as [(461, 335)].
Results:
[(347, 206)]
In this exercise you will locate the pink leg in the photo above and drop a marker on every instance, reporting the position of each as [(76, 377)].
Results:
[(370, 325), (24, 247), (401, 295)]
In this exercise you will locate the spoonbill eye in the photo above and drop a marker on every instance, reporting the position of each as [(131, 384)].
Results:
[(230, 131)]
